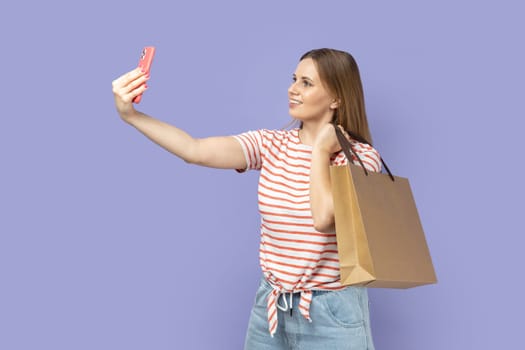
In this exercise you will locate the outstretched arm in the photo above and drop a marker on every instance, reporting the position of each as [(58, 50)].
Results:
[(217, 152)]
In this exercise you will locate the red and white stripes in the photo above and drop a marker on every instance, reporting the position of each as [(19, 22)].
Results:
[(294, 257)]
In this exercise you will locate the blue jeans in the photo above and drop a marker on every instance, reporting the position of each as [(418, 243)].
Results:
[(340, 321)]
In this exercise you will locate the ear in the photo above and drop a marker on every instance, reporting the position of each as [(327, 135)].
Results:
[(335, 103)]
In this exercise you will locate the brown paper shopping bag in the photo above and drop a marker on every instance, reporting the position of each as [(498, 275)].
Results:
[(380, 238)]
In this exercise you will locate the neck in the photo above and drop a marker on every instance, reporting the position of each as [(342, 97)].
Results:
[(309, 131)]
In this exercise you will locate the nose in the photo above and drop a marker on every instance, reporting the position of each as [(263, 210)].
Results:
[(292, 89)]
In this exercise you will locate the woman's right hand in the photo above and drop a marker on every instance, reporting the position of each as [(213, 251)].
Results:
[(126, 88)]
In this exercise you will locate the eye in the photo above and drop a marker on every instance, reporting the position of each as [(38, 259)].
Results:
[(304, 82)]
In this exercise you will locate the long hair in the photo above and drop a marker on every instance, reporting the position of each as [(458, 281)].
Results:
[(339, 73)]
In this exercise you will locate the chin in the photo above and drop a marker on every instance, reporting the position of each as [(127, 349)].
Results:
[(293, 113)]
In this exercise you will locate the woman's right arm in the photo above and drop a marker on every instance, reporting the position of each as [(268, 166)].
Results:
[(216, 152)]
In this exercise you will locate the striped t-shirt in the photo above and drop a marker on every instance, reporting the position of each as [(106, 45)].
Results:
[(294, 257)]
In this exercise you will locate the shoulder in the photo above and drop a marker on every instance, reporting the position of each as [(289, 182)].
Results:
[(280, 133), (265, 138), (279, 136), (269, 133), (369, 156)]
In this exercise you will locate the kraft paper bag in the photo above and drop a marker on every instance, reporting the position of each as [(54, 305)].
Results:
[(380, 238)]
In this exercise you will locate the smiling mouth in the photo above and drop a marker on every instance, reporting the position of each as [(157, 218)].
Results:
[(295, 102)]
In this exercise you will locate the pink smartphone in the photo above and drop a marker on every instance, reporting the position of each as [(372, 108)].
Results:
[(146, 58)]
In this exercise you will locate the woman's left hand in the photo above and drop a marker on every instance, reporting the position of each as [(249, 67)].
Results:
[(326, 140)]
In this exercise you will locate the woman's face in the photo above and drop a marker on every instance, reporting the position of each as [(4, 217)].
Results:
[(307, 97)]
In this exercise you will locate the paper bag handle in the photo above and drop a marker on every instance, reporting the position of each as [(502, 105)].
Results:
[(348, 150)]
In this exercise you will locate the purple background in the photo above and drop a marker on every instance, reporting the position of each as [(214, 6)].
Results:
[(109, 242)]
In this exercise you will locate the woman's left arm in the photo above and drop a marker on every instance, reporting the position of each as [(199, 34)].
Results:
[(321, 202)]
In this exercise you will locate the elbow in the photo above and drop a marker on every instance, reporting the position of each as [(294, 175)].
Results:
[(323, 215), (193, 154), (324, 223), (188, 160)]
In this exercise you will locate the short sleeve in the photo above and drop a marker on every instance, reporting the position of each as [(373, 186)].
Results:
[(368, 154), (252, 146)]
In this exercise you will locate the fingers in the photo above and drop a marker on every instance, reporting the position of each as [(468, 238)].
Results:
[(344, 132), (129, 85), (132, 85), (128, 96), (128, 77)]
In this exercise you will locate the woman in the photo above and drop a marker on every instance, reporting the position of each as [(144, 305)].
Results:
[(300, 303)]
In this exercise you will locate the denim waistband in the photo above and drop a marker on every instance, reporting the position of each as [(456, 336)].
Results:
[(315, 292)]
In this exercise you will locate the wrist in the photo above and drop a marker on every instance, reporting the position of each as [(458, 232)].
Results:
[(320, 156), (319, 150), (129, 116)]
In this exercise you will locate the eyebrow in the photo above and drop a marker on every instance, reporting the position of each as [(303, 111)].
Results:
[(304, 78)]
